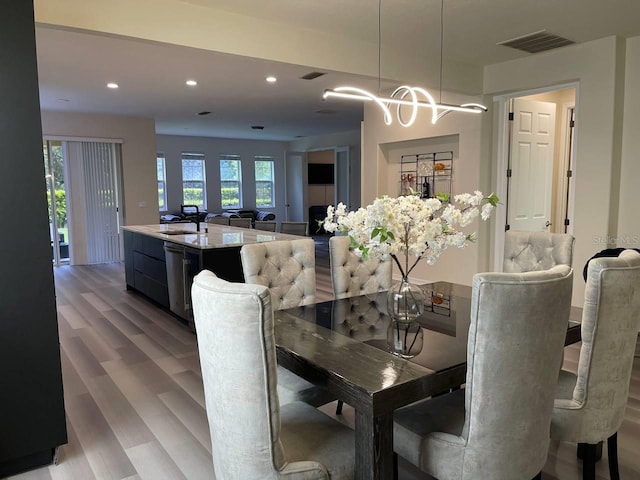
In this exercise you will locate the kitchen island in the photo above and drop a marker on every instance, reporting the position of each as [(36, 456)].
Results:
[(161, 260)]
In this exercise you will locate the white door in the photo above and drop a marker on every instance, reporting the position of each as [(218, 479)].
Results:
[(342, 176), (532, 155), (295, 181)]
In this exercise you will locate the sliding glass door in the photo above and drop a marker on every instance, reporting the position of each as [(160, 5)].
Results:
[(57, 201)]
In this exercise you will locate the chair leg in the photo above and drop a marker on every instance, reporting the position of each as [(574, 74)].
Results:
[(339, 407), (612, 448), (538, 476), (580, 451), (589, 462)]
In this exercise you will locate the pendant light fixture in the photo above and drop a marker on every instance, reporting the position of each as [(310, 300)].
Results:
[(405, 96)]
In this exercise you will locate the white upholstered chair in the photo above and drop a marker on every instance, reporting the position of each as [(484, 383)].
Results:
[(217, 220), (240, 222), (295, 228), (252, 437), (266, 225), (590, 406), (351, 275), (534, 251), (287, 269), (497, 427)]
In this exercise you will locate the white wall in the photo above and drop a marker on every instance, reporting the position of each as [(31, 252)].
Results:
[(628, 219), (595, 66), (382, 147), (173, 147), (138, 155)]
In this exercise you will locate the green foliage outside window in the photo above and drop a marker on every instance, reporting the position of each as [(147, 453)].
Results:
[(193, 196), (61, 207)]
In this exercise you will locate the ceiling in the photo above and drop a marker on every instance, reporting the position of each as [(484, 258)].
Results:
[(74, 66)]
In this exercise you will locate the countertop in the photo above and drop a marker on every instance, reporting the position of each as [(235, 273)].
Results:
[(217, 236)]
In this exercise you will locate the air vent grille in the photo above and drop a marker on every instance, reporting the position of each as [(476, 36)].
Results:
[(326, 112), (312, 75), (537, 42)]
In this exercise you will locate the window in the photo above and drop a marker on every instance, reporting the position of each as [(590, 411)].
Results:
[(264, 181), (162, 184), (230, 181), (193, 184)]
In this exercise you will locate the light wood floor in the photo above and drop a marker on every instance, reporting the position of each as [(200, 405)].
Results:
[(134, 399)]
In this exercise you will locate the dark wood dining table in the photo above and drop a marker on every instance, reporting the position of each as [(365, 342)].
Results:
[(341, 345)]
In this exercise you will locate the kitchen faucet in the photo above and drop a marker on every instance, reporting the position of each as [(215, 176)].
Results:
[(190, 215)]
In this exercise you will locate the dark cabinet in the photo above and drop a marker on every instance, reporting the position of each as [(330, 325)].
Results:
[(145, 266)]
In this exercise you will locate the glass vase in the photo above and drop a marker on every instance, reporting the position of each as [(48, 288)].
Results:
[(405, 302)]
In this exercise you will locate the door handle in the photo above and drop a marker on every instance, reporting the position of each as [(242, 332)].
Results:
[(548, 224)]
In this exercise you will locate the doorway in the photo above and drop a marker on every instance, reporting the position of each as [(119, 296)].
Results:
[(535, 165)]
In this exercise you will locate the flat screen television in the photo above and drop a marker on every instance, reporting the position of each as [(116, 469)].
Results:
[(320, 173)]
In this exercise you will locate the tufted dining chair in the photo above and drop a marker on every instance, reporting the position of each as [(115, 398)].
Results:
[(240, 222), (266, 225), (497, 427), (295, 228), (590, 406), (253, 437), (533, 251), (287, 269), (352, 275), (217, 220)]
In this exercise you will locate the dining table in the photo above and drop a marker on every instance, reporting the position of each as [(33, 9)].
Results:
[(342, 345)]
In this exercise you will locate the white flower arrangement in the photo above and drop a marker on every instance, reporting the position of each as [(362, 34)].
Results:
[(409, 225)]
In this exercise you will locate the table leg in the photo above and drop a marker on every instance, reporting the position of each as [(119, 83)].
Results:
[(374, 446)]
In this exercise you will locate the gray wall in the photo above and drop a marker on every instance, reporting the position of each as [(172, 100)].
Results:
[(173, 146), (32, 421)]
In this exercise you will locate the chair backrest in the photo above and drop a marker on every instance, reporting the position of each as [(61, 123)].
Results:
[(265, 225), (352, 275), (534, 251), (240, 222), (518, 325), (218, 220), (294, 228), (234, 324), (286, 267), (610, 319)]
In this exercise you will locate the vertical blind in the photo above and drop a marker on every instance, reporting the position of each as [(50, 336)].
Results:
[(101, 194)]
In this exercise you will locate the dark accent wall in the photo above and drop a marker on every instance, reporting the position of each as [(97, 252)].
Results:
[(32, 420)]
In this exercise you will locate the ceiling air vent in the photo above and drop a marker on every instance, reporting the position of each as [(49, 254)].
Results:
[(326, 112), (537, 42), (312, 75)]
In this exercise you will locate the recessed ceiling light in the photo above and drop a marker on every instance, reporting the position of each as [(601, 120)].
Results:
[(271, 79), (191, 83), (112, 85)]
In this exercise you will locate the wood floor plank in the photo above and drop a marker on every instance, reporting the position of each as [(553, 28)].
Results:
[(190, 413), (122, 418), (102, 449), (151, 461)]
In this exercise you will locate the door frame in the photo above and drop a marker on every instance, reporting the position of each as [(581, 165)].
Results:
[(501, 107)]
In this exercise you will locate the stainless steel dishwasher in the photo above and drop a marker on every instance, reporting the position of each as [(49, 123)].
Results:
[(178, 280)]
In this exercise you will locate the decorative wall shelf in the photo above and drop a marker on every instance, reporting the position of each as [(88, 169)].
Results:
[(426, 173)]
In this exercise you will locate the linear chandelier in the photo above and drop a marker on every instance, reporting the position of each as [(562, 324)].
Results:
[(405, 96), (399, 99)]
